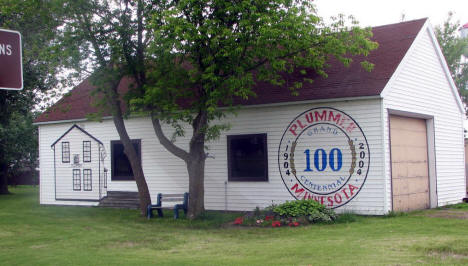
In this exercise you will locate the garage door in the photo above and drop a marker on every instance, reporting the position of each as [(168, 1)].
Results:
[(410, 177)]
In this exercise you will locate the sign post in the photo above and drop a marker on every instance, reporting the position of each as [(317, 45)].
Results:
[(11, 67)]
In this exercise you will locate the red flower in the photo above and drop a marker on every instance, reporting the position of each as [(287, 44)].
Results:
[(276, 224), (267, 218), (294, 224), (239, 220)]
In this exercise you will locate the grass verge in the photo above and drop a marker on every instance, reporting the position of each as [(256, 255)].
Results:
[(58, 235)]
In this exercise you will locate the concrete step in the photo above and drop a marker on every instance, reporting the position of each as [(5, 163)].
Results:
[(119, 206), (122, 194), (121, 199)]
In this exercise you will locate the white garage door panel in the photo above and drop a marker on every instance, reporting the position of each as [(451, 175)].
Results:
[(410, 177)]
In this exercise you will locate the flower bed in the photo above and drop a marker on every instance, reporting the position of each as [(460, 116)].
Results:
[(292, 213)]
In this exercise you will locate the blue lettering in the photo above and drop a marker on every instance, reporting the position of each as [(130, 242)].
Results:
[(317, 153)]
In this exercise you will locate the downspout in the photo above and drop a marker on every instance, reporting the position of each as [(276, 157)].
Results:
[(225, 196)]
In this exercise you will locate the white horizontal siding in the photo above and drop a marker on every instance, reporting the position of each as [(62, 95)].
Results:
[(422, 87), (167, 174)]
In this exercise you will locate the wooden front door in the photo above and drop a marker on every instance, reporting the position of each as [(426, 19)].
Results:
[(410, 174)]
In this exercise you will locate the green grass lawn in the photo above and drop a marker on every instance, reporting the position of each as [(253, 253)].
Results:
[(31, 234)]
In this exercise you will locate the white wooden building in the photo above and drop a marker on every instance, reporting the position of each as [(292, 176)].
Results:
[(366, 142)]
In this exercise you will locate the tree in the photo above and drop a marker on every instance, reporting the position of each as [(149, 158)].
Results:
[(209, 53), (38, 26), (21, 138), (453, 48), (108, 40)]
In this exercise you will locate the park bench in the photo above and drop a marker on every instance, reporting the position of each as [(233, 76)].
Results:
[(169, 198)]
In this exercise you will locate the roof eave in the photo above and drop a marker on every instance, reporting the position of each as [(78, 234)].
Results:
[(329, 100)]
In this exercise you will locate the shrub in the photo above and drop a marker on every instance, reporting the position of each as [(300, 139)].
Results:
[(313, 211), (292, 213)]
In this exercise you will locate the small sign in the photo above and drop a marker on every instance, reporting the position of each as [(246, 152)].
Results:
[(11, 67), (76, 158)]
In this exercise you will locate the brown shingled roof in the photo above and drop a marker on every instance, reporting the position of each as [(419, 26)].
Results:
[(342, 82)]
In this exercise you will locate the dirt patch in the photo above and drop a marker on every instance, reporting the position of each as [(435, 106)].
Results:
[(6, 234), (126, 244), (38, 246), (445, 255), (446, 213)]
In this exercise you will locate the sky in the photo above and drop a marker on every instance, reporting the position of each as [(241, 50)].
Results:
[(378, 12)]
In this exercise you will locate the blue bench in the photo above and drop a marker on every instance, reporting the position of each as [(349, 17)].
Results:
[(169, 198)]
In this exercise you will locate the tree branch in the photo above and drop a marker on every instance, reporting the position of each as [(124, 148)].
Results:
[(171, 147), (140, 50)]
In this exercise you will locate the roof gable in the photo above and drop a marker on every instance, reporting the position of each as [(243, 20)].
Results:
[(342, 82), (80, 129), (427, 28)]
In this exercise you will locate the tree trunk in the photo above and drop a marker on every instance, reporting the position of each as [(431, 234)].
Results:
[(135, 162), (194, 159), (112, 79), (3, 179), (196, 173), (196, 167), (129, 149)]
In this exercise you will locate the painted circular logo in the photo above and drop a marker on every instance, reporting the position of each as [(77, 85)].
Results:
[(324, 155)]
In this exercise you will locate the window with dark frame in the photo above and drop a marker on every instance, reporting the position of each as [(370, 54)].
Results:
[(87, 180), (87, 151), (120, 165), (76, 179), (65, 152), (247, 157)]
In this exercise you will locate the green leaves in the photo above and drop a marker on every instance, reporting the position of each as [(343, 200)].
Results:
[(192, 58), (18, 141), (367, 65), (210, 54), (38, 25), (453, 47), (308, 208)]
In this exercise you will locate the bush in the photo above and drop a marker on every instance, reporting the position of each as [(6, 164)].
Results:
[(313, 211), (292, 213)]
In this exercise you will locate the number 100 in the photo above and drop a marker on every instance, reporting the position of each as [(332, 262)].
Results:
[(321, 165)]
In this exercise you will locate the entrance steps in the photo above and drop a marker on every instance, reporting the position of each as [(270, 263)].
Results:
[(121, 199)]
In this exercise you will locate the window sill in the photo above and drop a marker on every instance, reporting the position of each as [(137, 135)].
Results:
[(124, 179)]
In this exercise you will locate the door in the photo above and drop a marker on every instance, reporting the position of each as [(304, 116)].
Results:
[(410, 171)]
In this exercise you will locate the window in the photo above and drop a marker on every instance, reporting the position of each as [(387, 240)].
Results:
[(247, 157), (120, 165), (65, 152), (76, 179), (86, 151), (87, 180)]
